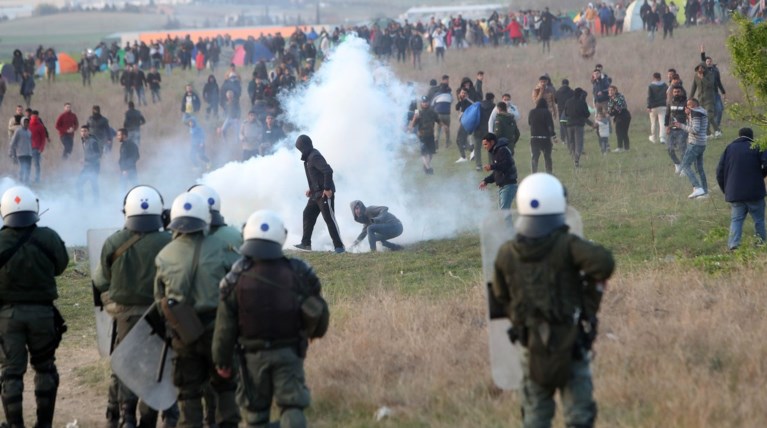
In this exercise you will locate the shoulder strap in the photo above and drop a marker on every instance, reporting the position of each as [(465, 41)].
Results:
[(196, 259), (122, 249), (8, 254)]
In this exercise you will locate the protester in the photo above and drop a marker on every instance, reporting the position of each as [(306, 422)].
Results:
[(740, 174), (378, 225)]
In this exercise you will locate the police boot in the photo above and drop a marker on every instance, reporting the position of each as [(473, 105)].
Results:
[(292, 417), (128, 414), (46, 404), (148, 416), (170, 417), (113, 416)]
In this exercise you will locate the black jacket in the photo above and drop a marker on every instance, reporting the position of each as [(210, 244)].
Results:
[(576, 109), (741, 171), (485, 110), (133, 120), (503, 169), (540, 121), (656, 94), (318, 173), (128, 155), (675, 110), (563, 94)]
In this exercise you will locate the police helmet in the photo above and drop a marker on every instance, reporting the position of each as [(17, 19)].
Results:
[(542, 204), (214, 201), (189, 213), (143, 206), (19, 207), (264, 234)]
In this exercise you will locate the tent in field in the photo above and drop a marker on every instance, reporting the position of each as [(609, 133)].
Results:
[(239, 56), (633, 21), (8, 74), (65, 64)]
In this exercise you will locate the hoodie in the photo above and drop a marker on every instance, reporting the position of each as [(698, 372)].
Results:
[(696, 126), (371, 215), (576, 109), (540, 121), (38, 133), (196, 133), (319, 174), (503, 170)]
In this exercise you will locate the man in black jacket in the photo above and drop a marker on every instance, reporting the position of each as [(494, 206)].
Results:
[(129, 155), (503, 170), (485, 109), (677, 137), (563, 94), (656, 107), (321, 194), (740, 175), (577, 112)]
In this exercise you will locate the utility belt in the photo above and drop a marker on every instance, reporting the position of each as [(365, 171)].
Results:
[(300, 344), (536, 137)]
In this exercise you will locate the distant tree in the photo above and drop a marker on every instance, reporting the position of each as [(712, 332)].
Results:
[(45, 9), (748, 48)]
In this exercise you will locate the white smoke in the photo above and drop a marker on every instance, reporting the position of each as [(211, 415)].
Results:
[(354, 109)]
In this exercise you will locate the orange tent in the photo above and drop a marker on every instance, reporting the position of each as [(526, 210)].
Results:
[(66, 64)]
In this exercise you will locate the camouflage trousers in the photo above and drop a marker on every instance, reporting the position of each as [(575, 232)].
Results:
[(538, 407), (274, 375), (192, 370), (27, 333)]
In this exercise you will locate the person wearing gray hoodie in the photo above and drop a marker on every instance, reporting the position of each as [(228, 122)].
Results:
[(378, 225), (21, 150), (696, 127)]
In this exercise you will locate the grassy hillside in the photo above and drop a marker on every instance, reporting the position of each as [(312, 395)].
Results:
[(681, 321)]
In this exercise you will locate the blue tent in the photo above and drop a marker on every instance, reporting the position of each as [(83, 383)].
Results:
[(262, 52)]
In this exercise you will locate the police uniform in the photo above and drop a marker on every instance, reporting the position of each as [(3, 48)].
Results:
[(30, 326), (550, 282), (260, 313), (188, 271), (126, 281)]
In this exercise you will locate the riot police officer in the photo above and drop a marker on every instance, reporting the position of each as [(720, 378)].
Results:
[(30, 326), (284, 310), (551, 283)]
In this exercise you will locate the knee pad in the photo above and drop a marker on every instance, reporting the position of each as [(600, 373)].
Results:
[(11, 385), (258, 418), (46, 377)]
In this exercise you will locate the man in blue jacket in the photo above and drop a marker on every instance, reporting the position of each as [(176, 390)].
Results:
[(740, 175)]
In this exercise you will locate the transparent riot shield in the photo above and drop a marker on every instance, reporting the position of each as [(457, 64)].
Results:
[(104, 323), (143, 362), (496, 229)]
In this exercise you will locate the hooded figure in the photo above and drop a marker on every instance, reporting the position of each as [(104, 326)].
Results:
[(378, 225), (321, 194)]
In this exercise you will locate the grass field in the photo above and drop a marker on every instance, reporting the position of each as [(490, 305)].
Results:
[(681, 322)]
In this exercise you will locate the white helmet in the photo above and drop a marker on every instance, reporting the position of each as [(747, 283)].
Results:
[(264, 235), (542, 205), (189, 213), (19, 207), (214, 201), (143, 207)]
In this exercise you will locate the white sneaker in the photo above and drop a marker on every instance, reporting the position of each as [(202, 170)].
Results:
[(677, 168), (696, 192), (617, 150), (471, 156), (703, 196), (663, 142), (682, 173), (652, 138), (717, 134), (461, 160)]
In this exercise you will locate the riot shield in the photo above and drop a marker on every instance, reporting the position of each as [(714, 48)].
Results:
[(496, 229), (104, 323), (143, 363)]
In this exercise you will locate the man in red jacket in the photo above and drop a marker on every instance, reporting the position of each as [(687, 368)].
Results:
[(67, 124), (39, 138)]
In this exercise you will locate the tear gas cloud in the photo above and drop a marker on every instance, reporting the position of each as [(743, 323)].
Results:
[(354, 109)]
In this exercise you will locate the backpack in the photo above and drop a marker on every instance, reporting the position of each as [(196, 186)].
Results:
[(470, 118), (514, 132)]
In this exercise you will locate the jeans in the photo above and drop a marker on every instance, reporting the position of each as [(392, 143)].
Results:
[(538, 146), (36, 163), (562, 130), (657, 117), (718, 110), (156, 95), (383, 232), (677, 144), (230, 130), (25, 165), (738, 216), (604, 144), (67, 141), (575, 142), (694, 153), (140, 95), (90, 173), (127, 94), (462, 141), (506, 196)]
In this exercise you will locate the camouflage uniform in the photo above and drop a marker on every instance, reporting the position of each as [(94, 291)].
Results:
[(550, 287), (126, 282), (28, 327), (272, 353), (193, 364)]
